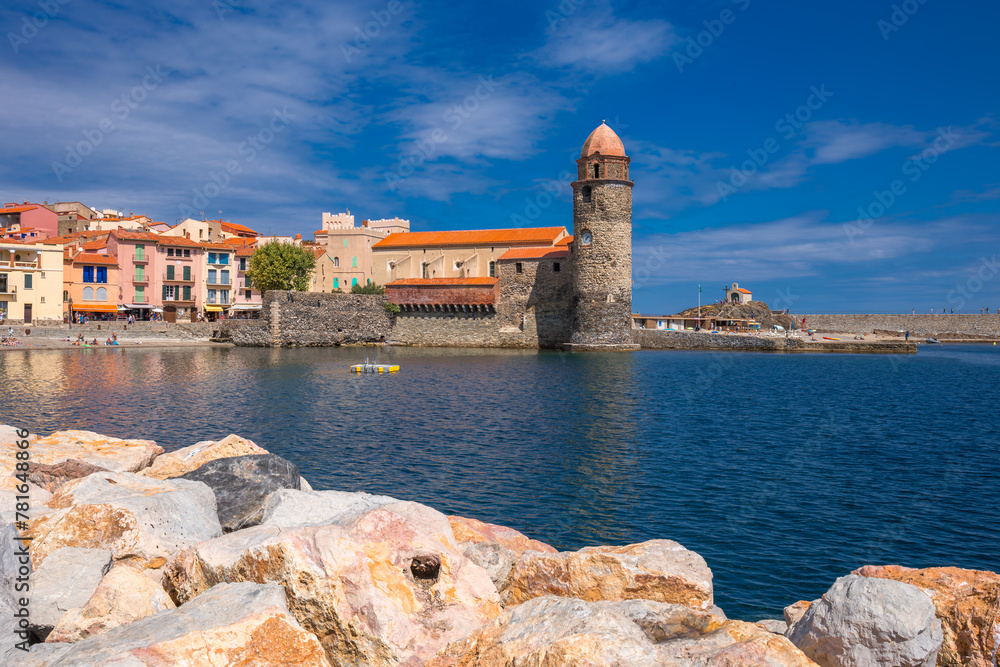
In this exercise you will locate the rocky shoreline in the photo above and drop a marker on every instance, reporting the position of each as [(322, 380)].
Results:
[(220, 553)]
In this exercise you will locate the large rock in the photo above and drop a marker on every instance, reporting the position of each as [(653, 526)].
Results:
[(98, 450), (242, 485), (232, 624), (10, 435), (864, 622), (567, 632), (138, 519), (388, 587), (123, 596), (968, 604), (479, 532), (497, 560), (795, 612), (50, 476), (659, 570), (15, 572), (66, 580), (186, 459), (289, 508)]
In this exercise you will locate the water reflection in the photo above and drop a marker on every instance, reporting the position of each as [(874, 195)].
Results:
[(785, 473)]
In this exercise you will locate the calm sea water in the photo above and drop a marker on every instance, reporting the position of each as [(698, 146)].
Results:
[(783, 471)]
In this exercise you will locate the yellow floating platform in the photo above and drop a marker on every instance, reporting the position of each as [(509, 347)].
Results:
[(374, 368)]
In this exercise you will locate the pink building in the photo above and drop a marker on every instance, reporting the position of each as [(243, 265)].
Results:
[(33, 219), (158, 274)]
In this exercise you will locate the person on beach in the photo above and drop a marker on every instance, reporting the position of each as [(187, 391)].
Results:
[(907, 336)]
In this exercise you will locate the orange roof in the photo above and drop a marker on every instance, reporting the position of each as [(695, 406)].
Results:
[(217, 246), (604, 141), (476, 237), (233, 227), (133, 235), (535, 253), (95, 245), (17, 209), (566, 240), (93, 258), (443, 282), (319, 231), (245, 251), (318, 251), (743, 291)]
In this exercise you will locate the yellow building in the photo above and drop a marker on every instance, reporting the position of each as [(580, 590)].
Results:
[(31, 282), (350, 248), (463, 254), (323, 275)]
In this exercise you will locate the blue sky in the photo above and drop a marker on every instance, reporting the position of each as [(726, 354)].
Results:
[(758, 131)]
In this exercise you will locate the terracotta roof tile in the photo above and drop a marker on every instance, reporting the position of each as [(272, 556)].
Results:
[(476, 237), (443, 282), (93, 258), (535, 253), (566, 240), (233, 227), (743, 291), (17, 209)]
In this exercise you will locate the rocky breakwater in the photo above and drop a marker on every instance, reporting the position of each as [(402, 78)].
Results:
[(221, 554)]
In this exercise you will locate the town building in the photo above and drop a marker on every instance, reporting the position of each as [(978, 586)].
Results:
[(246, 299), (737, 294), (31, 282), (202, 231), (72, 216), (217, 289), (324, 275), (34, 218), (349, 247), (460, 254), (90, 282)]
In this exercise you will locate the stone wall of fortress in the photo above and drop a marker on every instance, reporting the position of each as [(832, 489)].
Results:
[(987, 326), (305, 319)]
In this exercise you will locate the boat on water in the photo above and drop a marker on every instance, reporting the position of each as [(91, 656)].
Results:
[(372, 367), (933, 340)]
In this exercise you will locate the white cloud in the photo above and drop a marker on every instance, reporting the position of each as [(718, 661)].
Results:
[(597, 41)]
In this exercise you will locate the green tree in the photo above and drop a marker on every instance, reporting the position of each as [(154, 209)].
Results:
[(370, 288), (281, 266)]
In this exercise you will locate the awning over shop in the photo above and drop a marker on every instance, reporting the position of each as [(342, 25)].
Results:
[(245, 306), (137, 306), (157, 310), (94, 308), (213, 309)]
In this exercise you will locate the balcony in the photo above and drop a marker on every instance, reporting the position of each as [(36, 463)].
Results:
[(219, 261), (140, 280), (25, 265), (218, 283), (142, 301), (140, 260), (177, 279), (9, 292)]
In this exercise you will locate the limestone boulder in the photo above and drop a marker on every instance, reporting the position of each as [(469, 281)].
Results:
[(232, 624), (386, 587), (102, 451), (289, 508), (479, 532), (658, 570), (242, 485), (138, 519), (966, 601), (50, 476), (864, 621), (773, 625), (497, 560), (795, 612), (15, 571), (635, 633), (66, 580), (124, 595), (186, 459)]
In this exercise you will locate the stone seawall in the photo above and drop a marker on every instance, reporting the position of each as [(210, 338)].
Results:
[(957, 325), (652, 339), (306, 319), (137, 331)]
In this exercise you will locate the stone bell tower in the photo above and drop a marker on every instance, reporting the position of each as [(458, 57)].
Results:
[(602, 246)]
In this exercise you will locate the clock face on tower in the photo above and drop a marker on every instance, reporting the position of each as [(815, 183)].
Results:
[(587, 238)]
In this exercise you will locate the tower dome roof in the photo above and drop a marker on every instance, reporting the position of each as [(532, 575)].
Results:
[(603, 140)]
